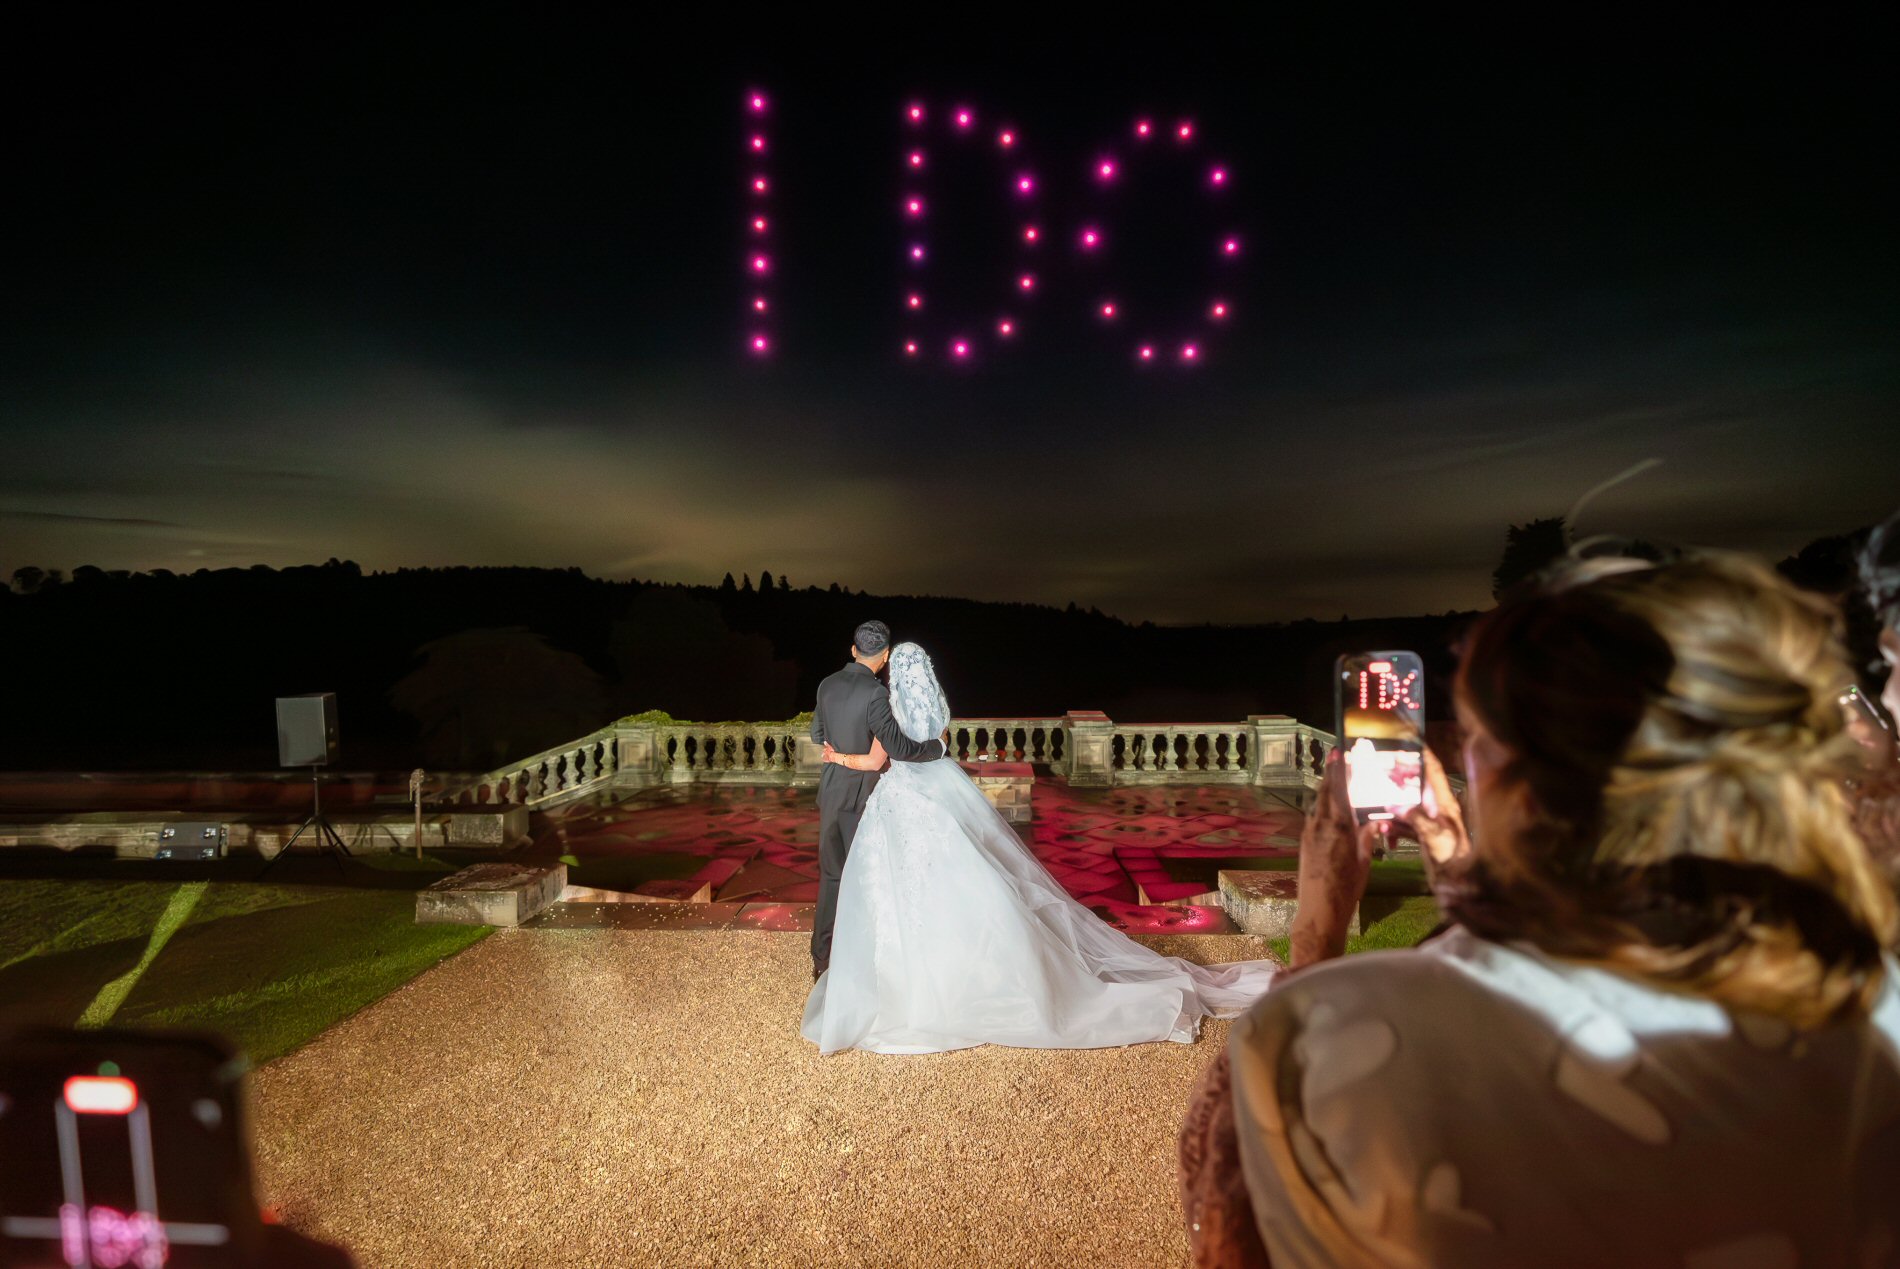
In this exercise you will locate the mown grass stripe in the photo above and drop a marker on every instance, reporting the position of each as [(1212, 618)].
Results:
[(112, 995)]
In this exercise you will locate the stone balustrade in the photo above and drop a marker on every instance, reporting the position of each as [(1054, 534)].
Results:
[(557, 774), (1084, 747)]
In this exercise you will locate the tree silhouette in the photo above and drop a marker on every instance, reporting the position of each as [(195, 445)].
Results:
[(746, 588), (484, 697), (765, 584), (728, 586), (28, 579), (1527, 549)]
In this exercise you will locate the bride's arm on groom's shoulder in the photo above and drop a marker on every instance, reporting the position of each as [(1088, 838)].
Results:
[(899, 746)]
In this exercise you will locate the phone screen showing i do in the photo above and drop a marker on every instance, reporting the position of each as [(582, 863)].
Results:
[(1381, 714)]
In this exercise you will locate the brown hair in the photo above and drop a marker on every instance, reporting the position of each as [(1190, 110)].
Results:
[(1676, 749)]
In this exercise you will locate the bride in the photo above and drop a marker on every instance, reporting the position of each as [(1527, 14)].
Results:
[(951, 934)]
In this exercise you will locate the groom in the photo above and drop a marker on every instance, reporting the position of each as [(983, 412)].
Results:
[(853, 706)]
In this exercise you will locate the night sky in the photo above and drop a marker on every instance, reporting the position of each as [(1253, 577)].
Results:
[(472, 292)]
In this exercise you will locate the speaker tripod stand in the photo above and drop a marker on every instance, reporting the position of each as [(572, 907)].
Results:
[(328, 840)]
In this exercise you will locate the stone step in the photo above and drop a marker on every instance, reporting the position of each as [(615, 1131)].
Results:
[(1263, 903), (491, 894)]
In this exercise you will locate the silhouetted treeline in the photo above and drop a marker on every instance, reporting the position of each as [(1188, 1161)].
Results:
[(465, 668)]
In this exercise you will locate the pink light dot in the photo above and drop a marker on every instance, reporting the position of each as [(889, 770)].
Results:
[(1006, 328), (758, 102), (1025, 183), (758, 143), (1030, 233), (1219, 310), (758, 185), (1106, 169), (1189, 352), (1185, 131), (1218, 176), (1147, 353), (917, 252), (1143, 128), (960, 349), (915, 206), (1108, 310), (759, 344), (1006, 140), (1231, 246), (916, 158), (758, 305), (916, 114), (1027, 282), (963, 118), (760, 264), (1089, 238), (910, 348), (915, 300), (758, 224)]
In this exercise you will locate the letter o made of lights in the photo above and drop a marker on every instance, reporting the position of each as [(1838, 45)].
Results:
[(960, 344), (1186, 347)]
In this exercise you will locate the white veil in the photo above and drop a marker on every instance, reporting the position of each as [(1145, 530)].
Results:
[(917, 701)]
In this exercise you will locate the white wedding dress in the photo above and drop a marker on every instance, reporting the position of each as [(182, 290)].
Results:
[(950, 933)]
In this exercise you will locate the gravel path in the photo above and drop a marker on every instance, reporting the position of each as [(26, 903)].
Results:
[(616, 1097)]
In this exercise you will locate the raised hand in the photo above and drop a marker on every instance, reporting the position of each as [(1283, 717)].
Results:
[(1437, 824), (1335, 861)]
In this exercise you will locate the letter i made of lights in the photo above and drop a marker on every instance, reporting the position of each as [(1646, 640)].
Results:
[(761, 305), (961, 338), (1108, 170)]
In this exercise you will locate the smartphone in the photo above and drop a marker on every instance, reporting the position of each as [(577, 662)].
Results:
[(1380, 710), (124, 1149)]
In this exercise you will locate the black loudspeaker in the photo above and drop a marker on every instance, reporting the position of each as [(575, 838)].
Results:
[(306, 730)]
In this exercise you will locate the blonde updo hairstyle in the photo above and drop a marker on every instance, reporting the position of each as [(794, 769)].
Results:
[(1675, 749)]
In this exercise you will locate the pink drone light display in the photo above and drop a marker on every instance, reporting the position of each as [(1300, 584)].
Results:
[(965, 342), (1190, 345), (758, 261)]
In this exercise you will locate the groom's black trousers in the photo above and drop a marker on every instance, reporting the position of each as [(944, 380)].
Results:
[(836, 829)]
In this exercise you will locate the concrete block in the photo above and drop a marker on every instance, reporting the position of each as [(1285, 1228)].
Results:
[(491, 894), (1263, 903)]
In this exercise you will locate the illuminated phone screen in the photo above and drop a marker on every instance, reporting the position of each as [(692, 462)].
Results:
[(1381, 699), (130, 1162)]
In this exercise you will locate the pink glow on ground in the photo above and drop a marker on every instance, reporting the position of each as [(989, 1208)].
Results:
[(760, 845)]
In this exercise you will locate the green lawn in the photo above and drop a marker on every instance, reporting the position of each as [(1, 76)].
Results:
[(1407, 927), (269, 966)]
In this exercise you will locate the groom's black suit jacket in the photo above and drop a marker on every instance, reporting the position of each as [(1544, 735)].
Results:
[(853, 706)]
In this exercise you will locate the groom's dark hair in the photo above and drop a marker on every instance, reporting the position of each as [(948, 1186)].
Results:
[(871, 638)]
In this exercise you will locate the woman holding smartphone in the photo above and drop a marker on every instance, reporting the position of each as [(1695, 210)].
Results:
[(1663, 1030)]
